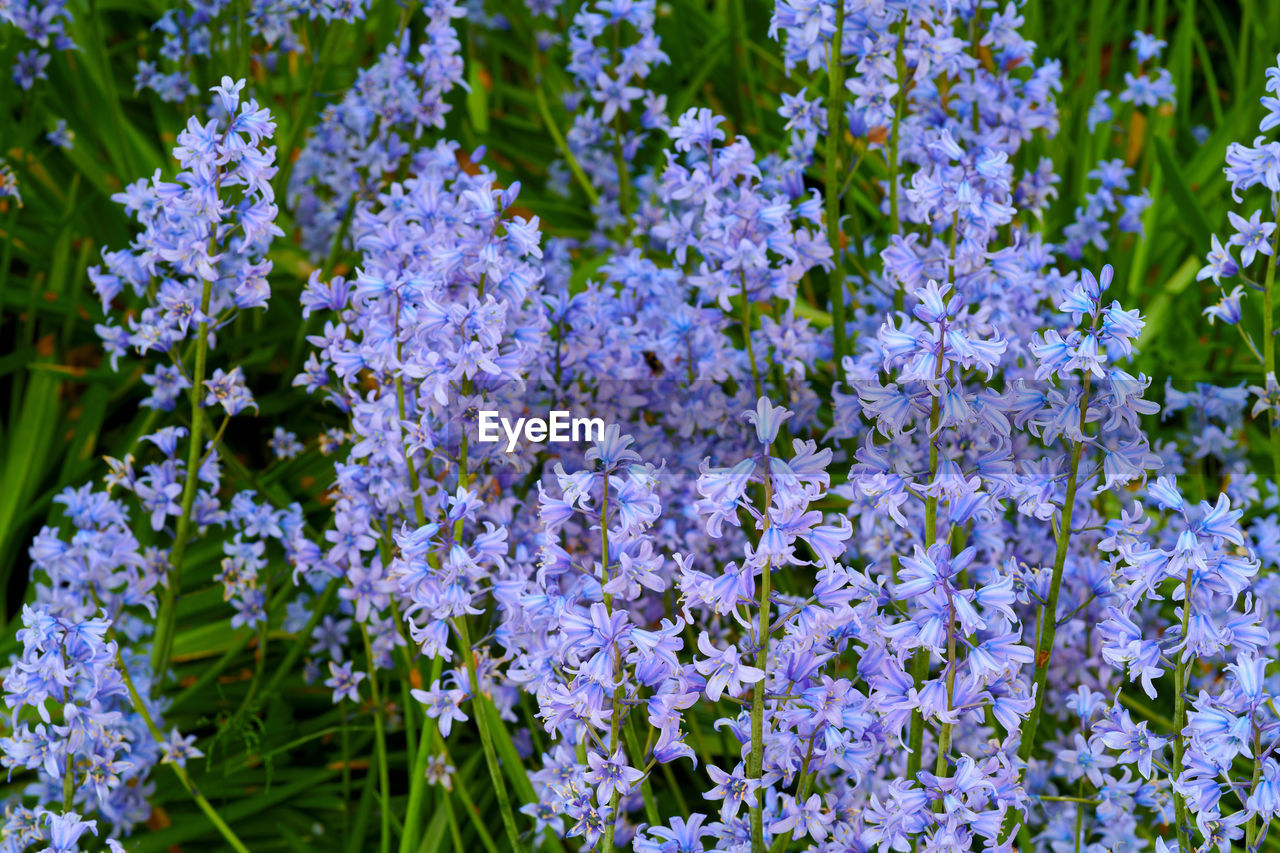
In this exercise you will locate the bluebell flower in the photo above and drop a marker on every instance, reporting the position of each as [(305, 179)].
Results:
[(1265, 797), (1146, 46), (344, 682), (227, 389), (1252, 236), (732, 789), (177, 749), (29, 67), (724, 669), (767, 419)]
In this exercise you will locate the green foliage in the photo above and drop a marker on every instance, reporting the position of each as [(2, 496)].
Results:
[(63, 407)]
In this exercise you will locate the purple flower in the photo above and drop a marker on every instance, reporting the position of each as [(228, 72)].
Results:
[(1252, 235), (1146, 46), (442, 705), (65, 831), (767, 419), (177, 749), (1135, 743), (723, 669), (344, 682), (611, 774), (733, 789), (227, 389), (807, 818), (1265, 798)]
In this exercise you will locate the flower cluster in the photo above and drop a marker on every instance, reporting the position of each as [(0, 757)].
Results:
[(932, 570), (448, 310), (200, 258), (365, 141), (208, 27), (1254, 237), (613, 49), (74, 724), (44, 23)]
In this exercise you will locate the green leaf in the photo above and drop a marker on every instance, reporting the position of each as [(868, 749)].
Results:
[(585, 270), (1192, 216), (512, 764), (26, 454), (478, 99)]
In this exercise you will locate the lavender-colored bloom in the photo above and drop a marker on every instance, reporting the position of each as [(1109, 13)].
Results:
[(65, 831), (344, 682), (177, 749), (1146, 46), (1253, 236), (611, 774), (227, 389), (724, 669), (733, 789)]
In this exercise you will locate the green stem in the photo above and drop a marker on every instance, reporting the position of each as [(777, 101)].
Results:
[(620, 160), (264, 631), (69, 782), (412, 743), (326, 273), (611, 824), (895, 131), (1251, 829), (746, 339), (181, 772), (300, 118), (554, 131), (615, 715), (915, 739), (646, 790), (414, 482), (803, 784), (1049, 613), (469, 805), (480, 702), (162, 647), (380, 742), (1269, 348), (920, 660), (346, 771), (755, 766), (417, 780), (213, 442), (458, 846), (835, 130), (624, 176), (255, 685), (848, 182), (486, 736), (69, 774), (944, 736), (300, 642), (1180, 672)]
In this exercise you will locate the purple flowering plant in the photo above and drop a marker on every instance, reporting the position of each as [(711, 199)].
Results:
[(927, 486)]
